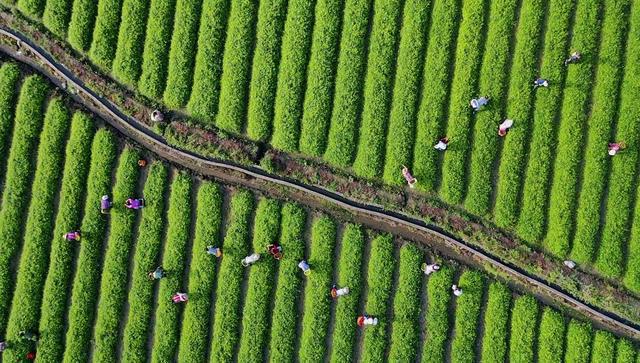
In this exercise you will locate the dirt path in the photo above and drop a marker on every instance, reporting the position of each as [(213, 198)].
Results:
[(144, 172), (332, 315), (362, 303), (368, 215), (424, 298), (453, 305)]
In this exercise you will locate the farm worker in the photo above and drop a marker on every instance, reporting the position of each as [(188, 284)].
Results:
[(304, 266), (105, 204), (504, 127), (275, 250), (573, 58), (478, 103), (429, 269), (3, 346), (132, 203), (31, 355), (408, 177), (335, 292), (27, 335), (157, 274), (142, 163), (456, 290), (251, 259), (615, 147), (540, 83), (442, 144), (366, 320), (157, 116), (212, 250), (570, 264), (179, 297), (72, 236)]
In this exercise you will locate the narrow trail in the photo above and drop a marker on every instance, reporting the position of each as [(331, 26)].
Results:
[(156, 287), (428, 258), (369, 215), (453, 305), (362, 303), (311, 217), (337, 255), (144, 172), (395, 278), (480, 329)]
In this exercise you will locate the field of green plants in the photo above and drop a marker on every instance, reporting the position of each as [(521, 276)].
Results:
[(91, 300), (370, 86)]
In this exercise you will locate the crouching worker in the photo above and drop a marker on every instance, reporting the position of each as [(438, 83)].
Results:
[(540, 83), (132, 203), (105, 204), (504, 127), (157, 274), (304, 266), (408, 177), (616, 147), (72, 236), (250, 260), (216, 251), (429, 269), (573, 58), (28, 335), (335, 292), (366, 320), (275, 250), (442, 144), (180, 297), (478, 103)]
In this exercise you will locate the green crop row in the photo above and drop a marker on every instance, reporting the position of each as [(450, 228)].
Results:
[(196, 321), (347, 100), (467, 317), (56, 16), (379, 281), (494, 76), (127, 62), (350, 275), (226, 324), (569, 149), (296, 42), (167, 328), (32, 8), (551, 338), (463, 85), (604, 347), (155, 55), (148, 245), (496, 318), (9, 77), (610, 260), (519, 107), (264, 73), (284, 318), (236, 66), (203, 102), (600, 124), (405, 335), (579, 337), (437, 316), (406, 91), (320, 77), (105, 33), (435, 91), (256, 315), (85, 285), (34, 259), (72, 193), (182, 53), (378, 86), (83, 17), (536, 183), (626, 352), (19, 171), (524, 317), (114, 275), (317, 309)]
